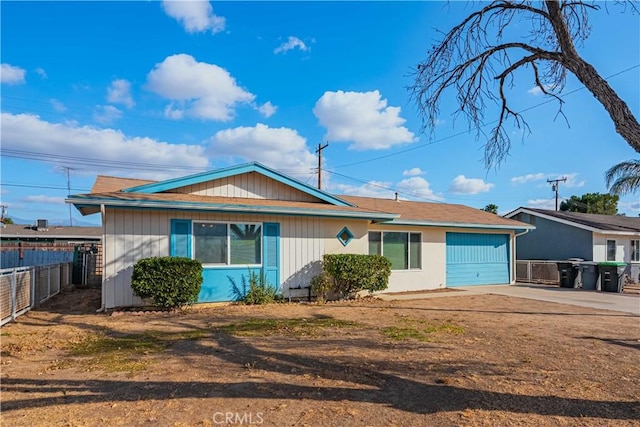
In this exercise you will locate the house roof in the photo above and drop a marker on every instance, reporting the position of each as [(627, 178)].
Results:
[(436, 214), (135, 193), (593, 222), (90, 203), (14, 231), (171, 184)]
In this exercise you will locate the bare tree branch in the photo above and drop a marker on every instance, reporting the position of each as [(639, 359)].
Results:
[(476, 63)]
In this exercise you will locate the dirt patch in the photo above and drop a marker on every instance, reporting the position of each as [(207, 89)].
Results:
[(458, 360)]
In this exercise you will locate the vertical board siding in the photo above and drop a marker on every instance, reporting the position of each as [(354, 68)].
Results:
[(477, 259), (250, 185), (134, 234)]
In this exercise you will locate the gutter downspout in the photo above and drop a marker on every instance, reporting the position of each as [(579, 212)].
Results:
[(104, 228), (515, 236)]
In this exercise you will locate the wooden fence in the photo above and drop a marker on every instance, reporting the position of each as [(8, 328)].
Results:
[(23, 288)]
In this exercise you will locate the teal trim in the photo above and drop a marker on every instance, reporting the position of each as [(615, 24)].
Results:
[(271, 252), (171, 184), (86, 201), (477, 259), (180, 238), (217, 286), (515, 227), (342, 232)]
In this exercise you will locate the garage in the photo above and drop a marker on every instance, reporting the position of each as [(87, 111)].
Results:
[(477, 259)]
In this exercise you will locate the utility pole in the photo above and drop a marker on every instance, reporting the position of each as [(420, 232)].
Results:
[(3, 211), (319, 151), (555, 185), (68, 170)]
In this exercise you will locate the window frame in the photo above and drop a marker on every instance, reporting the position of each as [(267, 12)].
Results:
[(408, 254), (635, 250), (615, 249), (228, 224)]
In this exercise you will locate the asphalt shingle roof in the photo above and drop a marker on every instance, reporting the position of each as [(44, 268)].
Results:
[(601, 222)]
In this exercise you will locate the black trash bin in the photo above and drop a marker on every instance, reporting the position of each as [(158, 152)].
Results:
[(611, 275), (568, 271)]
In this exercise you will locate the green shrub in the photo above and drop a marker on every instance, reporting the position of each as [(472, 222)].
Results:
[(172, 282), (321, 285), (352, 273), (256, 291)]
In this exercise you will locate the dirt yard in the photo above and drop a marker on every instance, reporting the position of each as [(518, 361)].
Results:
[(456, 360)]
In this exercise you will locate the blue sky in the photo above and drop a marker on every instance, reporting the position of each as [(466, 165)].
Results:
[(157, 90)]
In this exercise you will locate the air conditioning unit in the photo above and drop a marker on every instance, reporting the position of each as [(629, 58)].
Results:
[(42, 224)]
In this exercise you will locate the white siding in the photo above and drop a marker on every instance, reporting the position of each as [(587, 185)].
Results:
[(623, 247), (135, 234), (249, 185)]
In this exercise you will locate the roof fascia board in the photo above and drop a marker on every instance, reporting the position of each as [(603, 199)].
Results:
[(171, 184), (85, 205), (460, 225), (568, 222)]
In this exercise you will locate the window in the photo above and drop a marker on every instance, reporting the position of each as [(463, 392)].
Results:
[(611, 250), (402, 249), (635, 250), (227, 244)]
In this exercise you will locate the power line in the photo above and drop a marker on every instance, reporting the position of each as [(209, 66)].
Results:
[(477, 128), (48, 187)]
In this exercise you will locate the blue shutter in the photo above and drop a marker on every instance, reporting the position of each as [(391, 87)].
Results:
[(181, 238), (271, 253)]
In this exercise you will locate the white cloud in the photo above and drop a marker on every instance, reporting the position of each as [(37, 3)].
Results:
[(197, 89), (572, 180), (41, 72), (291, 43), (267, 109), (371, 189), (417, 187), (12, 75), (280, 148), (106, 114), (629, 206), (544, 203), (119, 92), (196, 16), (463, 185), (528, 178), (362, 118), (57, 105), (536, 91), (29, 132), (413, 172), (41, 198)]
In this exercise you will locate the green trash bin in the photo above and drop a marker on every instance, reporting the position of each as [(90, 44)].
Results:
[(611, 276)]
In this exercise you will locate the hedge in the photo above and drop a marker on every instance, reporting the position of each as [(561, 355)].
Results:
[(352, 273), (171, 282)]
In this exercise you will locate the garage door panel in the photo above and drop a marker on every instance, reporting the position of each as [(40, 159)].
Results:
[(477, 259)]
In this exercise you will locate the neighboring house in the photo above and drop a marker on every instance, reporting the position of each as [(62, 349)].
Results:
[(42, 244), (561, 235), (253, 217)]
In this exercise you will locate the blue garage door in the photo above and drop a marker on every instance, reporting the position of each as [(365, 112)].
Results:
[(477, 259)]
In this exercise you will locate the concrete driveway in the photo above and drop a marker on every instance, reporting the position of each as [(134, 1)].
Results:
[(592, 299)]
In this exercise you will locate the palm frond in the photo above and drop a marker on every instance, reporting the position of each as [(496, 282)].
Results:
[(623, 178)]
